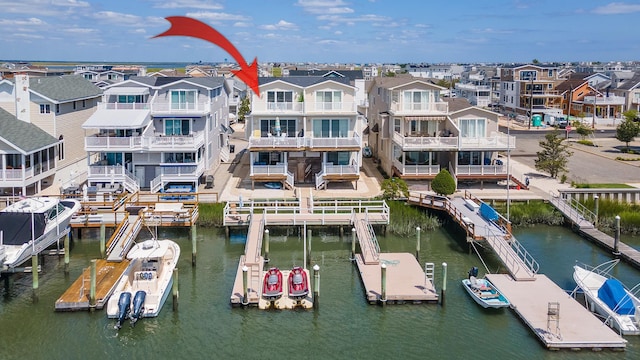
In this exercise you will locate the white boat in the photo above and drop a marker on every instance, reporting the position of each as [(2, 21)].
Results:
[(31, 225), (484, 293), (144, 286), (608, 297)]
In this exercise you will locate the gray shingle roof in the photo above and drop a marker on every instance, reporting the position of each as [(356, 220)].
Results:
[(208, 82), (630, 83), (303, 81), (64, 88), (27, 137)]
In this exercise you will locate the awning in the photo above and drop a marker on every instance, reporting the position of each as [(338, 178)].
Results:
[(122, 90), (425, 118), (109, 119), (365, 131), (375, 128), (226, 130)]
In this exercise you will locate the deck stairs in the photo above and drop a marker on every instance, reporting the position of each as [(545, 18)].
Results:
[(367, 239)]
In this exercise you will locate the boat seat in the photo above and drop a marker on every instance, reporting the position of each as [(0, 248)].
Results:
[(273, 279), (297, 279)]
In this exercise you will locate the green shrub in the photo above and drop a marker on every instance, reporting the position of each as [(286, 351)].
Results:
[(443, 183), (585, 142)]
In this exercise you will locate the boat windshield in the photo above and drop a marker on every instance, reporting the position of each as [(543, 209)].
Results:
[(55, 211)]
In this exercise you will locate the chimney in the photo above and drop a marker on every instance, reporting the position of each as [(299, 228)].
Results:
[(22, 97)]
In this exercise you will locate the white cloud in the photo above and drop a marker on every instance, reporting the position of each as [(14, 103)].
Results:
[(79, 30), (617, 8), (190, 4), (338, 32), (281, 25), (241, 24), (74, 3), (116, 18), (28, 36), (217, 16), (330, 42), (492, 31), (324, 6), (353, 20), (29, 22), (139, 31)]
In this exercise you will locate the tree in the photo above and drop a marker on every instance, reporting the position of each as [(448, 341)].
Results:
[(393, 188), (244, 108), (535, 61), (583, 131), (554, 156), (627, 130), (443, 183)]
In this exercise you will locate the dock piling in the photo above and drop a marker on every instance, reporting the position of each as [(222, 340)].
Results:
[(316, 286), (418, 243), (245, 286), (66, 253), (103, 236), (353, 244), (595, 210), (194, 237), (92, 286), (266, 245), (444, 283), (174, 289), (34, 276), (616, 240), (308, 247), (383, 280)]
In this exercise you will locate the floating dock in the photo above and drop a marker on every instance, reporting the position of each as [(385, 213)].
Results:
[(76, 297), (558, 320)]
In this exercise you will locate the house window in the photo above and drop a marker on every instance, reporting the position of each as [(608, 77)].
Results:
[(271, 127), (416, 100), (45, 108), (177, 127), (183, 99), (472, 128), (528, 75), (61, 148), (469, 158), (338, 157), (88, 76), (328, 100), (130, 99), (550, 72), (396, 125), (330, 128), (84, 103), (280, 100), (269, 158), (57, 108)]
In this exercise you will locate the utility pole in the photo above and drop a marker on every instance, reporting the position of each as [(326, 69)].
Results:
[(530, 100)]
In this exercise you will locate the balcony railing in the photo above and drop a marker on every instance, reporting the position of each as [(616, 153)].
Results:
[(425, 142), (99, 143), (344, 106), (497, 141), (336, 142), (481, 170), (330, 169), (278, 169), (263, 106), (473, 87), (123, 106), (178, 108), (277, 142), (439, 107), (423, 170), (606, 100)]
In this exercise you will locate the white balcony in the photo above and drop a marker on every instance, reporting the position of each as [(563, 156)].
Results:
[(411, 143), (604, 100), (261, 170), (497, 141), (123, 106), (473, 87), (201, 108), (156, 142), (330, 169), (416, 170), (328, 107), (181, 171), (273, 107), (420, 108), (277, 142), (335, 142), (479, 170)]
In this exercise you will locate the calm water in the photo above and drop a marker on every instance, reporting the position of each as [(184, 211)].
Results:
[(205, 325)]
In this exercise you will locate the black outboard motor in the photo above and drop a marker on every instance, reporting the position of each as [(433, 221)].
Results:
[(124, 304), (473, 272), (138, 306)]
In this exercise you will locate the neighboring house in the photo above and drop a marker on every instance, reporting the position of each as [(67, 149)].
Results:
[(475, 86), (630, 91), (572, 91), (238, 92), (305, 130), (27, 156), (155, 132), (530, 89), (417, 133), (58, 105)]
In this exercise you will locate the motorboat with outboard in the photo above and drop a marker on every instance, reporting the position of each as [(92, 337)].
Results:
[(144, 286), (483, 292), (298, 283), (608, 297), (272, 284), (31, 225)]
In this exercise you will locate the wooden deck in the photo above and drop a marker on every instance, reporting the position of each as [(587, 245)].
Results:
[(406, 280), (77, 295), (575, 328)]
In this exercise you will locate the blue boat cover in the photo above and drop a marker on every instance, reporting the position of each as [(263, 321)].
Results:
[(488, 212), (613, 294)]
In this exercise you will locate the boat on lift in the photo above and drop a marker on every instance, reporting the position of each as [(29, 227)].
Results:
[(144, 286), (31, 225)]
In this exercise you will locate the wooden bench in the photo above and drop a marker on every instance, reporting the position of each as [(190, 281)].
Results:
[(471, 205)]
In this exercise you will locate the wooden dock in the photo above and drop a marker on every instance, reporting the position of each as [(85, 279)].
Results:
[(406, 280), (77, 295), (627, 253), (557, 319)]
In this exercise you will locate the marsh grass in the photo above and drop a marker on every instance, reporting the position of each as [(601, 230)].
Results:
[(405, 218)]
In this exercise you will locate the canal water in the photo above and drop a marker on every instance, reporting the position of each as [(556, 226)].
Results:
[(345, 325)]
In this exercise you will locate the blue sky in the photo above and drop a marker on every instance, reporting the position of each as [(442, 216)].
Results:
[(359, 31)]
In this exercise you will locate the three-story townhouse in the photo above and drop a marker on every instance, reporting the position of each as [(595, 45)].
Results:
[(305, 130), (59, 105), (159, 133)]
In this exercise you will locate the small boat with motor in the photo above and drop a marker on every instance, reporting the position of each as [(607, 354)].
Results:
[(272, 284), (608, 297), (31, 225), (483, 292), (144, 286), (298, 283)]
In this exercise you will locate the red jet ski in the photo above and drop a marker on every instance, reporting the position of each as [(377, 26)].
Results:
[(272, 285), (298, 284)]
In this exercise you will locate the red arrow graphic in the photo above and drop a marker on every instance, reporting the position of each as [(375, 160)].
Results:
[(186, 26)]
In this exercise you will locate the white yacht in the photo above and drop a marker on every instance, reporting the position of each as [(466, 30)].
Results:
[(145, 285), (31, 225), (608, 297)]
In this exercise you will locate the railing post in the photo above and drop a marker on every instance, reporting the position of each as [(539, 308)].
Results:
[(245, 286), (444, 283), (418, 243), (616, 240), (596, 201), (383, 283)]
